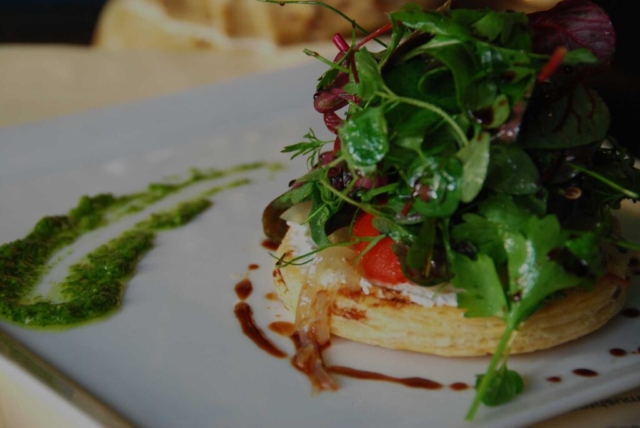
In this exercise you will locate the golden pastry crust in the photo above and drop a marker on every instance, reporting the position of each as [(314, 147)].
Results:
[(390, 319)]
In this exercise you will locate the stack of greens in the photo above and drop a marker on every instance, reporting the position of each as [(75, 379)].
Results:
[(474, 140)]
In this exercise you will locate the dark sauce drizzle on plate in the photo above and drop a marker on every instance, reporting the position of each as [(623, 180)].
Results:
[(630, 312), (244, 314), (287, 329), (244, 289), (585, 372), (412, 382), (617, 352), (270, 245)]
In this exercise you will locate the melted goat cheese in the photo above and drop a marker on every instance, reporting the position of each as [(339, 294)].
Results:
[(300, 240), (437, 295)]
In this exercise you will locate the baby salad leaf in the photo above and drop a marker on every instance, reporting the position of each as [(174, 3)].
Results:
[(413, 125), (509, 29), (482, 294), (485, 229), (432, 23), (580, 57), (505, 385), (392, 229), (575, 119), (437, 181), (483, 235), (574, 24), (587, 255), (475, 161), (420, 252), (403, 79), (512, 171), (370, 78), (459, 59), (364, 139), (438, 88)]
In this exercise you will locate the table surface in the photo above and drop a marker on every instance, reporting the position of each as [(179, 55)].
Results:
[(42, 82)]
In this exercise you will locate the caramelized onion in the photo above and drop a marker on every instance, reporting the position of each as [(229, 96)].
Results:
[(313, 312)]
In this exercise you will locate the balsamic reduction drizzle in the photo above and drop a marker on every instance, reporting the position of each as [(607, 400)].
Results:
[(630, 312), (585, 372)]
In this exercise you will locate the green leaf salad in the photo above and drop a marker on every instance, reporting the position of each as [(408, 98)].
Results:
[(472, 138)]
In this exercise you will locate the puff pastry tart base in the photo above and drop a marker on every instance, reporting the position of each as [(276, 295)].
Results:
[(388, 318)]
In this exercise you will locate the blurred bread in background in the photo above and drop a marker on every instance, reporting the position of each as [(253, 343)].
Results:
[(229, 24), (233, 24)]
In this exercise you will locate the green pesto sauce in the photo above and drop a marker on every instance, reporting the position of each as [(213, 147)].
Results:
[(94, 286)]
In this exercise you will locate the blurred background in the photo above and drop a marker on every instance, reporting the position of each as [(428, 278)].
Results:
[(74, 21), (49, 21), (63, 56)]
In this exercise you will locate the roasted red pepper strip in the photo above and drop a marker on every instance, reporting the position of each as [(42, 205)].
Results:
[(554, 62)]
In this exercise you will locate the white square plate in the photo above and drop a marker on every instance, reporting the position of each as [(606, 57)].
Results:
[(174, 354)]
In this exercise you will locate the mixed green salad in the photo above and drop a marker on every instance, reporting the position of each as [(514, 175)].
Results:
[(473, 140)]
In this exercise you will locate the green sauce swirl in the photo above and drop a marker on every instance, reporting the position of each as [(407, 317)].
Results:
[(95, 285)]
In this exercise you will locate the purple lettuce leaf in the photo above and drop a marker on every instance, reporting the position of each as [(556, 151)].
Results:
[(574, 24)]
